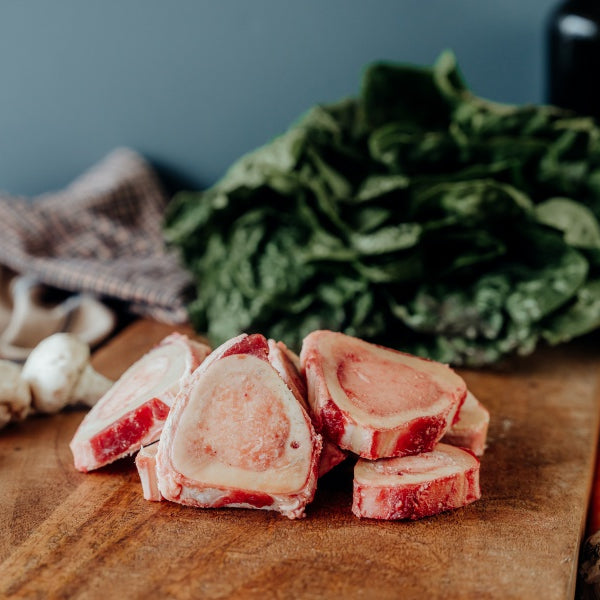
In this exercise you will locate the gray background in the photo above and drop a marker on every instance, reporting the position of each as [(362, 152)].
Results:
[(194, 84)]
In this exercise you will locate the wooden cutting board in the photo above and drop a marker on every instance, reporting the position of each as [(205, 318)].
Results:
[(65, 534)]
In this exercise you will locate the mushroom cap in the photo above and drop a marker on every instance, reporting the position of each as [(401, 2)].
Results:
[(53, 369)]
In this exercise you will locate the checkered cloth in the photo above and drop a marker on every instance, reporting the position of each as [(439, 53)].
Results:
[(100, 235)]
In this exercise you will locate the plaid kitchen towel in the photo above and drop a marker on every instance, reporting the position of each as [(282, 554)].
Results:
[(100, 235)]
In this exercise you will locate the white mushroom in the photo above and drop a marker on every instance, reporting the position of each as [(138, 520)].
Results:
[(15, 397), (59, 373)]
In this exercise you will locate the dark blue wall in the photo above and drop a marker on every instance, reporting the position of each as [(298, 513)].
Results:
[(193, 84)]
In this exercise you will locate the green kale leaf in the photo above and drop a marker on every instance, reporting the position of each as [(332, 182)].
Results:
[(415, 214)]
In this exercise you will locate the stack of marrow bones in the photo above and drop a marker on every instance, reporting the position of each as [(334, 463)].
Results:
[(252, 425)]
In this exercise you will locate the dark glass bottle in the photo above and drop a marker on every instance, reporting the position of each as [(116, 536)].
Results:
[(574, 56)]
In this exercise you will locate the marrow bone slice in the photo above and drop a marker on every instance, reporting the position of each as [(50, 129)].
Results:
[(132, 413), (238, 437), (375, 401), (287, 364), (470, 427), (412, 487), (145, 460)]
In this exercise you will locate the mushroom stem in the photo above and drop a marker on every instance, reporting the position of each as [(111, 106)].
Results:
[(90, 387)]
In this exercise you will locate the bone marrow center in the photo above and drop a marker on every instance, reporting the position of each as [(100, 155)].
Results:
[(244, 426), (380, 386), (422, 464)]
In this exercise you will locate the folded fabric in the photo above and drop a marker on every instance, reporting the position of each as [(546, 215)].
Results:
[(102, 235)]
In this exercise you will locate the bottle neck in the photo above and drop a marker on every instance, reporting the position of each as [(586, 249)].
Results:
[(574, 56), (577, 19)]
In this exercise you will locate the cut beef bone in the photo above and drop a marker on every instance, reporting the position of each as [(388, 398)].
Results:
[(134, 409), (287, 364), (145, 461), (238, 437), (375, 401), (412, 487), (471, 426)]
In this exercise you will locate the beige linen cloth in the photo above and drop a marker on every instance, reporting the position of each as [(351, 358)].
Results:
[(100, 238)]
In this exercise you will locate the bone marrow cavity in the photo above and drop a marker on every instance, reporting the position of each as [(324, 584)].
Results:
[(414, 467), (379, 386), (241, 406)]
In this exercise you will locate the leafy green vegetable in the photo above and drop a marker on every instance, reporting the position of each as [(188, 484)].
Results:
[(416, 215)]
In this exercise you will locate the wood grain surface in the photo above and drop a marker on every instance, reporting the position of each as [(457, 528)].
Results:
[(66, 534)]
